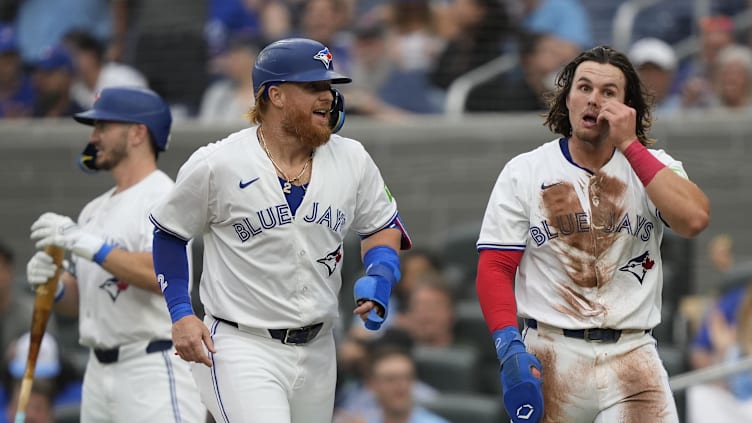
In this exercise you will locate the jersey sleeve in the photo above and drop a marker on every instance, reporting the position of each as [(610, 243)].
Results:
[(673, 164), (506, 223), (375, 206), (184, 212)]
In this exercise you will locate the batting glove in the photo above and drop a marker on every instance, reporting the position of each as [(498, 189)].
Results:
[(40, 269), (62, 231), (520, 375)]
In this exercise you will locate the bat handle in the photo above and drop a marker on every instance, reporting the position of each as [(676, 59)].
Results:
[(20, 417)]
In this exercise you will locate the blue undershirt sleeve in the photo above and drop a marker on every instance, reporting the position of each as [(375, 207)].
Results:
[(171, 267)]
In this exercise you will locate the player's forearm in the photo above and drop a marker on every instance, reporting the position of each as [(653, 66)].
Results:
[(67, 305), (495, 287), (136, 269), (681, 203)]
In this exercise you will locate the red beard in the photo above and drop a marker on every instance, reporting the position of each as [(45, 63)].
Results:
[(298, 123)]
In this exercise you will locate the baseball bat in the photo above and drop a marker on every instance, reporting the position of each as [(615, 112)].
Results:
[(43, 299)]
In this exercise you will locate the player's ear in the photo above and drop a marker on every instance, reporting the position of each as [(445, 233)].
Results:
[(276, 95), (141, 134)]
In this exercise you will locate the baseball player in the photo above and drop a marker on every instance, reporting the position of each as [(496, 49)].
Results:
[(273, 204), (132, 374), (570, 242)]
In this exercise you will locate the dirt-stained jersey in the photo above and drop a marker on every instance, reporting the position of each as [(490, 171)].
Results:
[(264, 267), (591, 241)]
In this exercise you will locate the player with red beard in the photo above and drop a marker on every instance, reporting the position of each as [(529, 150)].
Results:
[(273, 204)]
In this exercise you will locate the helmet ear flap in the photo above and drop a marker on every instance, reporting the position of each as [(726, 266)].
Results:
[(337, 113), (87, 160)]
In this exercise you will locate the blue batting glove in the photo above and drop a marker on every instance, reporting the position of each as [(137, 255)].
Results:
[(520, 383), (378, 290)]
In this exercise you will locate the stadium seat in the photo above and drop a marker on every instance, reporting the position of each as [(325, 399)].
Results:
[(470, 328), (451, 369), (461, 257), (468, 408)]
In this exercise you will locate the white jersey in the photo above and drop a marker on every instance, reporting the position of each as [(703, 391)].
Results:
[(111, 312), (591, 242), (263, 267)]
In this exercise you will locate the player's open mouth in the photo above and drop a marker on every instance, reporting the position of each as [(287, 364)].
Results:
[(590, 120), (321, 112)]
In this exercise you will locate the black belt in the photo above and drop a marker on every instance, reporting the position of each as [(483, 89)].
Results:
[(111, 355), (590, 335), (292, 336)]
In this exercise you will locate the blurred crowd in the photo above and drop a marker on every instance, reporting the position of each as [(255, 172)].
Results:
[(403, 55)]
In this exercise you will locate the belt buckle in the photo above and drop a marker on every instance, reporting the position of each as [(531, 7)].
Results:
[(293, 336), (589, 335), (598, 335)]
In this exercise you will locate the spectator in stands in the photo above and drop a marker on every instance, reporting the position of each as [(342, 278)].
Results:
[(524, 88), (39, 409), (430, 314), (41, 24), (391, 378), (276, 20), (16, 90), (51, 364), (716, 32), (656, 63), (15, 308), (391, 392), (728, 400), (720, 252), (567, 20), (732, 79), (414, 48), (53, 77), (325, 21), (481, 32), (52, 369), (229, 98), (370, 68), (232, 19), (93, 71), (417, 264)]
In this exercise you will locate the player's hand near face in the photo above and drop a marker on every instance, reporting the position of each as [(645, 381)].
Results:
[(620, 122), (192, 339)]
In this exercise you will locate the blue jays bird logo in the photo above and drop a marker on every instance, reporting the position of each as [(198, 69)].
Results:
[(324, 56), (639, 266), (113, 287), (332, 259)]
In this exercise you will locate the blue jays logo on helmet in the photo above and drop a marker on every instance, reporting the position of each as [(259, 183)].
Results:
[(295, 60), (324, 56)]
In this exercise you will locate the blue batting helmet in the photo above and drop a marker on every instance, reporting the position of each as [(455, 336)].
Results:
[(295, 60), (133, 105)]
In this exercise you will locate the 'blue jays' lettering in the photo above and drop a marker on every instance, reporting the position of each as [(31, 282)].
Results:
[(568, 224), (279, 215)]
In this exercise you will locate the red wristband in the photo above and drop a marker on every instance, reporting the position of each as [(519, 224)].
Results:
[(644, 164)]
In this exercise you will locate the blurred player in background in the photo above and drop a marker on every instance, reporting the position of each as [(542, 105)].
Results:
[(273, 204), (570, 242), (133, 374)]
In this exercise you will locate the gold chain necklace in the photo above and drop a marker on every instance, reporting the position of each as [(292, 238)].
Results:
[(288, 182)]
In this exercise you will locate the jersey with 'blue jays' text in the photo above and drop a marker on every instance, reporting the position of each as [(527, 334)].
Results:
[(591, 241), (263, 266)]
